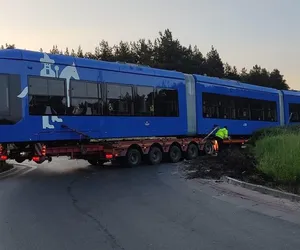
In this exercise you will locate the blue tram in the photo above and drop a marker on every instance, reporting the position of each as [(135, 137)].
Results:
[(46, 97)]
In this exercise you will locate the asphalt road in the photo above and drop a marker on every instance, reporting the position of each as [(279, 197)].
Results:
[(68, 205)]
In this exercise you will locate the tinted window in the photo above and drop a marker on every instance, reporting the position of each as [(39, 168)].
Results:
[(85, 106), (47, 96), (243, 108), (10, 103), (144, 101), (237, 108), (166, 102), (38, 86), (78, 89), (4, 95), (294, 114), (113, 91), (86, 98), (92, 90), (119, 100)]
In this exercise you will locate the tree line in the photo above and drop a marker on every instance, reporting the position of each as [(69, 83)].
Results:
[(166, 52)]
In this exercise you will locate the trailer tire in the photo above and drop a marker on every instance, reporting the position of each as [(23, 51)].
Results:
[(155, 155), (192, 152), (133, 157), (208, 148), (175, 154)]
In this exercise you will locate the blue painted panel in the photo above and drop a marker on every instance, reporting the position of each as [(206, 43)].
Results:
[(11, 54), (89, 63), (234, 84)]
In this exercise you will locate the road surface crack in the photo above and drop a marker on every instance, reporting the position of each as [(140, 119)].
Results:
[(111, 238)]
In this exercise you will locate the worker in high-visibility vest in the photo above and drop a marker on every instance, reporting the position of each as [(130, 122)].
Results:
[(220, 135)]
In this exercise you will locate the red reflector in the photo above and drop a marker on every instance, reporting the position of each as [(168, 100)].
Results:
[(3, 157), (109, 156), (44, 150), (36, 158)]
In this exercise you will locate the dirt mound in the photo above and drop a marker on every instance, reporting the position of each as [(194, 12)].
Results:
[(233, 162)]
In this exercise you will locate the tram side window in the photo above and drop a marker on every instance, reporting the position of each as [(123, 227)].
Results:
[(270, 111), (86, 98), (4, 95), (47, 96), (166, 103), (218, 106), (257, 110), (119, 100), (243, 108), (209, 109), (237, 108), (227, 107), (294, 111), (144, 101)]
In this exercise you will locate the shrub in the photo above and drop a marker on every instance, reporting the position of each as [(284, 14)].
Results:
[(273, 131), (278, 155)]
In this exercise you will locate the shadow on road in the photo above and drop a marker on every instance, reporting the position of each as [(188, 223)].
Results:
[(62, 167)]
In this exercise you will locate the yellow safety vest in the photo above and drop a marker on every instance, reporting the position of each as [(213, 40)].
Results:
[(222, 133)]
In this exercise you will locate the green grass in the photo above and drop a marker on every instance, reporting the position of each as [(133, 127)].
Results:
[(277, 152), (269, 132)]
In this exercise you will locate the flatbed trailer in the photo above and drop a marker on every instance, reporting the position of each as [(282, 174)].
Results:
[(130, 151)]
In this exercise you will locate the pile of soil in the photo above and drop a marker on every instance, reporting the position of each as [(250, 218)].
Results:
[(232, 162), (236, 163)]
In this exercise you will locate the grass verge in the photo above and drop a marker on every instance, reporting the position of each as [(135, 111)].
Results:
[(278, 156)]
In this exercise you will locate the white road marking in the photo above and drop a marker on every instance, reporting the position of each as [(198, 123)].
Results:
[(29, 170), (20, 167)]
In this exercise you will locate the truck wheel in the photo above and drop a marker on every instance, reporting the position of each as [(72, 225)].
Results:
[(133, 157), (175, 154), (155, 155), (192, 152)]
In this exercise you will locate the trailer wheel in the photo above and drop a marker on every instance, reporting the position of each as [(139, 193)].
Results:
[(208, 148), (133, 157), (175, 154), (192, 152), (155, 155)]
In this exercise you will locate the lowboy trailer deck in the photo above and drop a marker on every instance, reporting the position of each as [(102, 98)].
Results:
[(130, 152)]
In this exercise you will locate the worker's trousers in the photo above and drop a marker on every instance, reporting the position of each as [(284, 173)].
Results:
[(220, 143)]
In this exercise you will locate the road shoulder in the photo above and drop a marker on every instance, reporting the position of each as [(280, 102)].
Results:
[(251, 200), (16, 170)]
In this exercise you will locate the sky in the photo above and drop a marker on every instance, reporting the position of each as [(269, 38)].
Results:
[(245, 32)]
